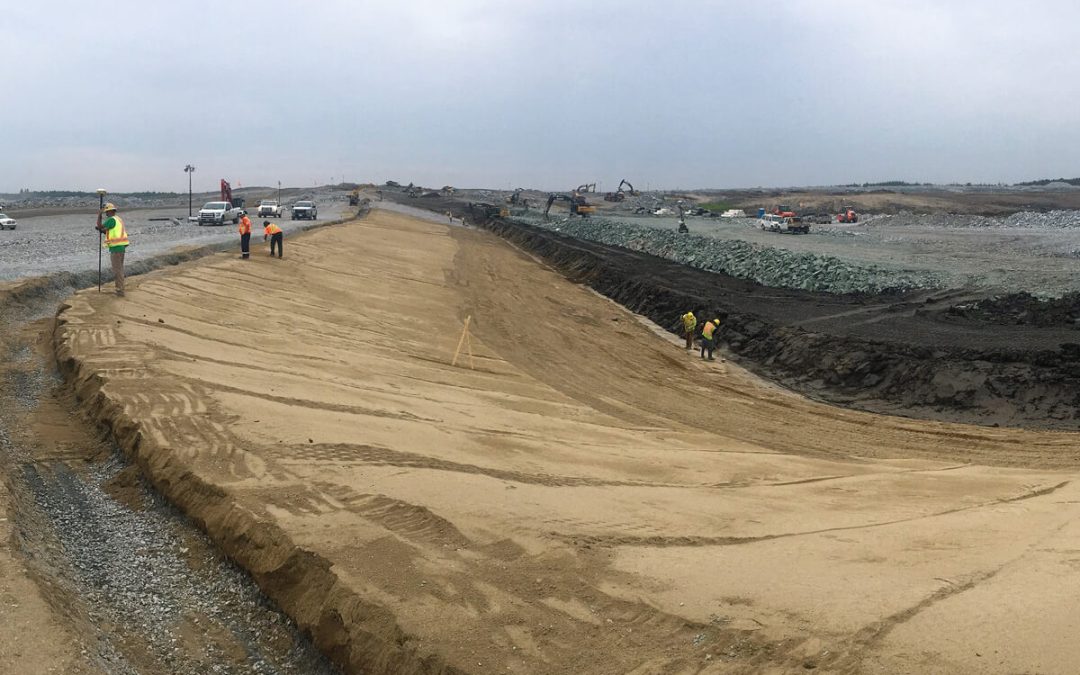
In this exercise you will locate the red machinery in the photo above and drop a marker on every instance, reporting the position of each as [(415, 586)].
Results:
[(847, 215), (227, 196)]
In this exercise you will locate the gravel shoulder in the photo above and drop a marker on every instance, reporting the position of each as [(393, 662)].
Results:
[(45, 644), (97, 572), (578, 494)]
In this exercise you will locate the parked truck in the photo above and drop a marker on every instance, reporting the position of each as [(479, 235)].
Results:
[(269, 208), (218, 213), (228, 208), (771, 222), (305, 210)]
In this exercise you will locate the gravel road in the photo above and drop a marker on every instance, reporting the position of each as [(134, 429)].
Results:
[(68, 243)]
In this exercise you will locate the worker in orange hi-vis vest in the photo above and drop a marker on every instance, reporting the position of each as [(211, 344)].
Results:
[(276, 237), (245, 236)]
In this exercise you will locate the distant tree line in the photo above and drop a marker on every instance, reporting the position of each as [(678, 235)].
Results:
[(1047, 181)]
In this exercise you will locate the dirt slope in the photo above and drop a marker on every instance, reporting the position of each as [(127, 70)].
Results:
[(905, 354), (588, 498)]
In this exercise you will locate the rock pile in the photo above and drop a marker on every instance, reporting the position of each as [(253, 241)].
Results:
[(764, 264)]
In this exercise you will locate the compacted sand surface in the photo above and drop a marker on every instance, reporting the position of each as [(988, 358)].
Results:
[(580, 496)]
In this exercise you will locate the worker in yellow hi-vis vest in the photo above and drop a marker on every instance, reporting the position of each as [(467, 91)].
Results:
[(116, 240), (689, 323)]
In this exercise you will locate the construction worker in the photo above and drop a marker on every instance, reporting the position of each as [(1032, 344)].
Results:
[(708, 337), (276, 237), (245, 236), (689, 322), (116, 240)]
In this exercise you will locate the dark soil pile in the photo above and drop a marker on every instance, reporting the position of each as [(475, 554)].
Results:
[(1023, 309)]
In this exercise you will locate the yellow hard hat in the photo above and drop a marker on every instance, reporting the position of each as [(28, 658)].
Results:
[(109, 207)]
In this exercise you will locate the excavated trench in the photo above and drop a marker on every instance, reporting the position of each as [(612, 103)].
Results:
[(138, 584), (943, 354)]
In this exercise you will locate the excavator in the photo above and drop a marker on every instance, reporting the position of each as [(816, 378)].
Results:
[(578, 205), (619, 195), (488, 210), (354, 197), (227, 195), (586, 187), (516, 199), (683, 229)]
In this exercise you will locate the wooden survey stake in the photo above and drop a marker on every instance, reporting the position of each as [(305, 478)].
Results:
[(466, 340)]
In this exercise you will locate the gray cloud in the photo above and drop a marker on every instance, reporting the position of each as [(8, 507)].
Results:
[(544, 94)]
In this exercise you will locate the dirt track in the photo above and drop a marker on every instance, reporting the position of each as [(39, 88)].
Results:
[(589, 498)]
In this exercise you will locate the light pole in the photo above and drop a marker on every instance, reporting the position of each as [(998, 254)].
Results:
[(189, 169), (279, 193)]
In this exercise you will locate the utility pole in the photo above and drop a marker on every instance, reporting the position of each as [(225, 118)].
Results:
[(279, 193), (189, 169)]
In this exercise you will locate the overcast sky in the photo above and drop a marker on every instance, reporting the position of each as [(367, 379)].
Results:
[(548, 94)]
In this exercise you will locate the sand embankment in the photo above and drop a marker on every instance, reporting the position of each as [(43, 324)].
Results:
[(587, 499)]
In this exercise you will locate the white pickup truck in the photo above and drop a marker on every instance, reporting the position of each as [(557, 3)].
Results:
[(269, 208), (216, 213), (771, 222)]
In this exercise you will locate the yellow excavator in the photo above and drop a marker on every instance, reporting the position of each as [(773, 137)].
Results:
[(619, 195), (578, 205)]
